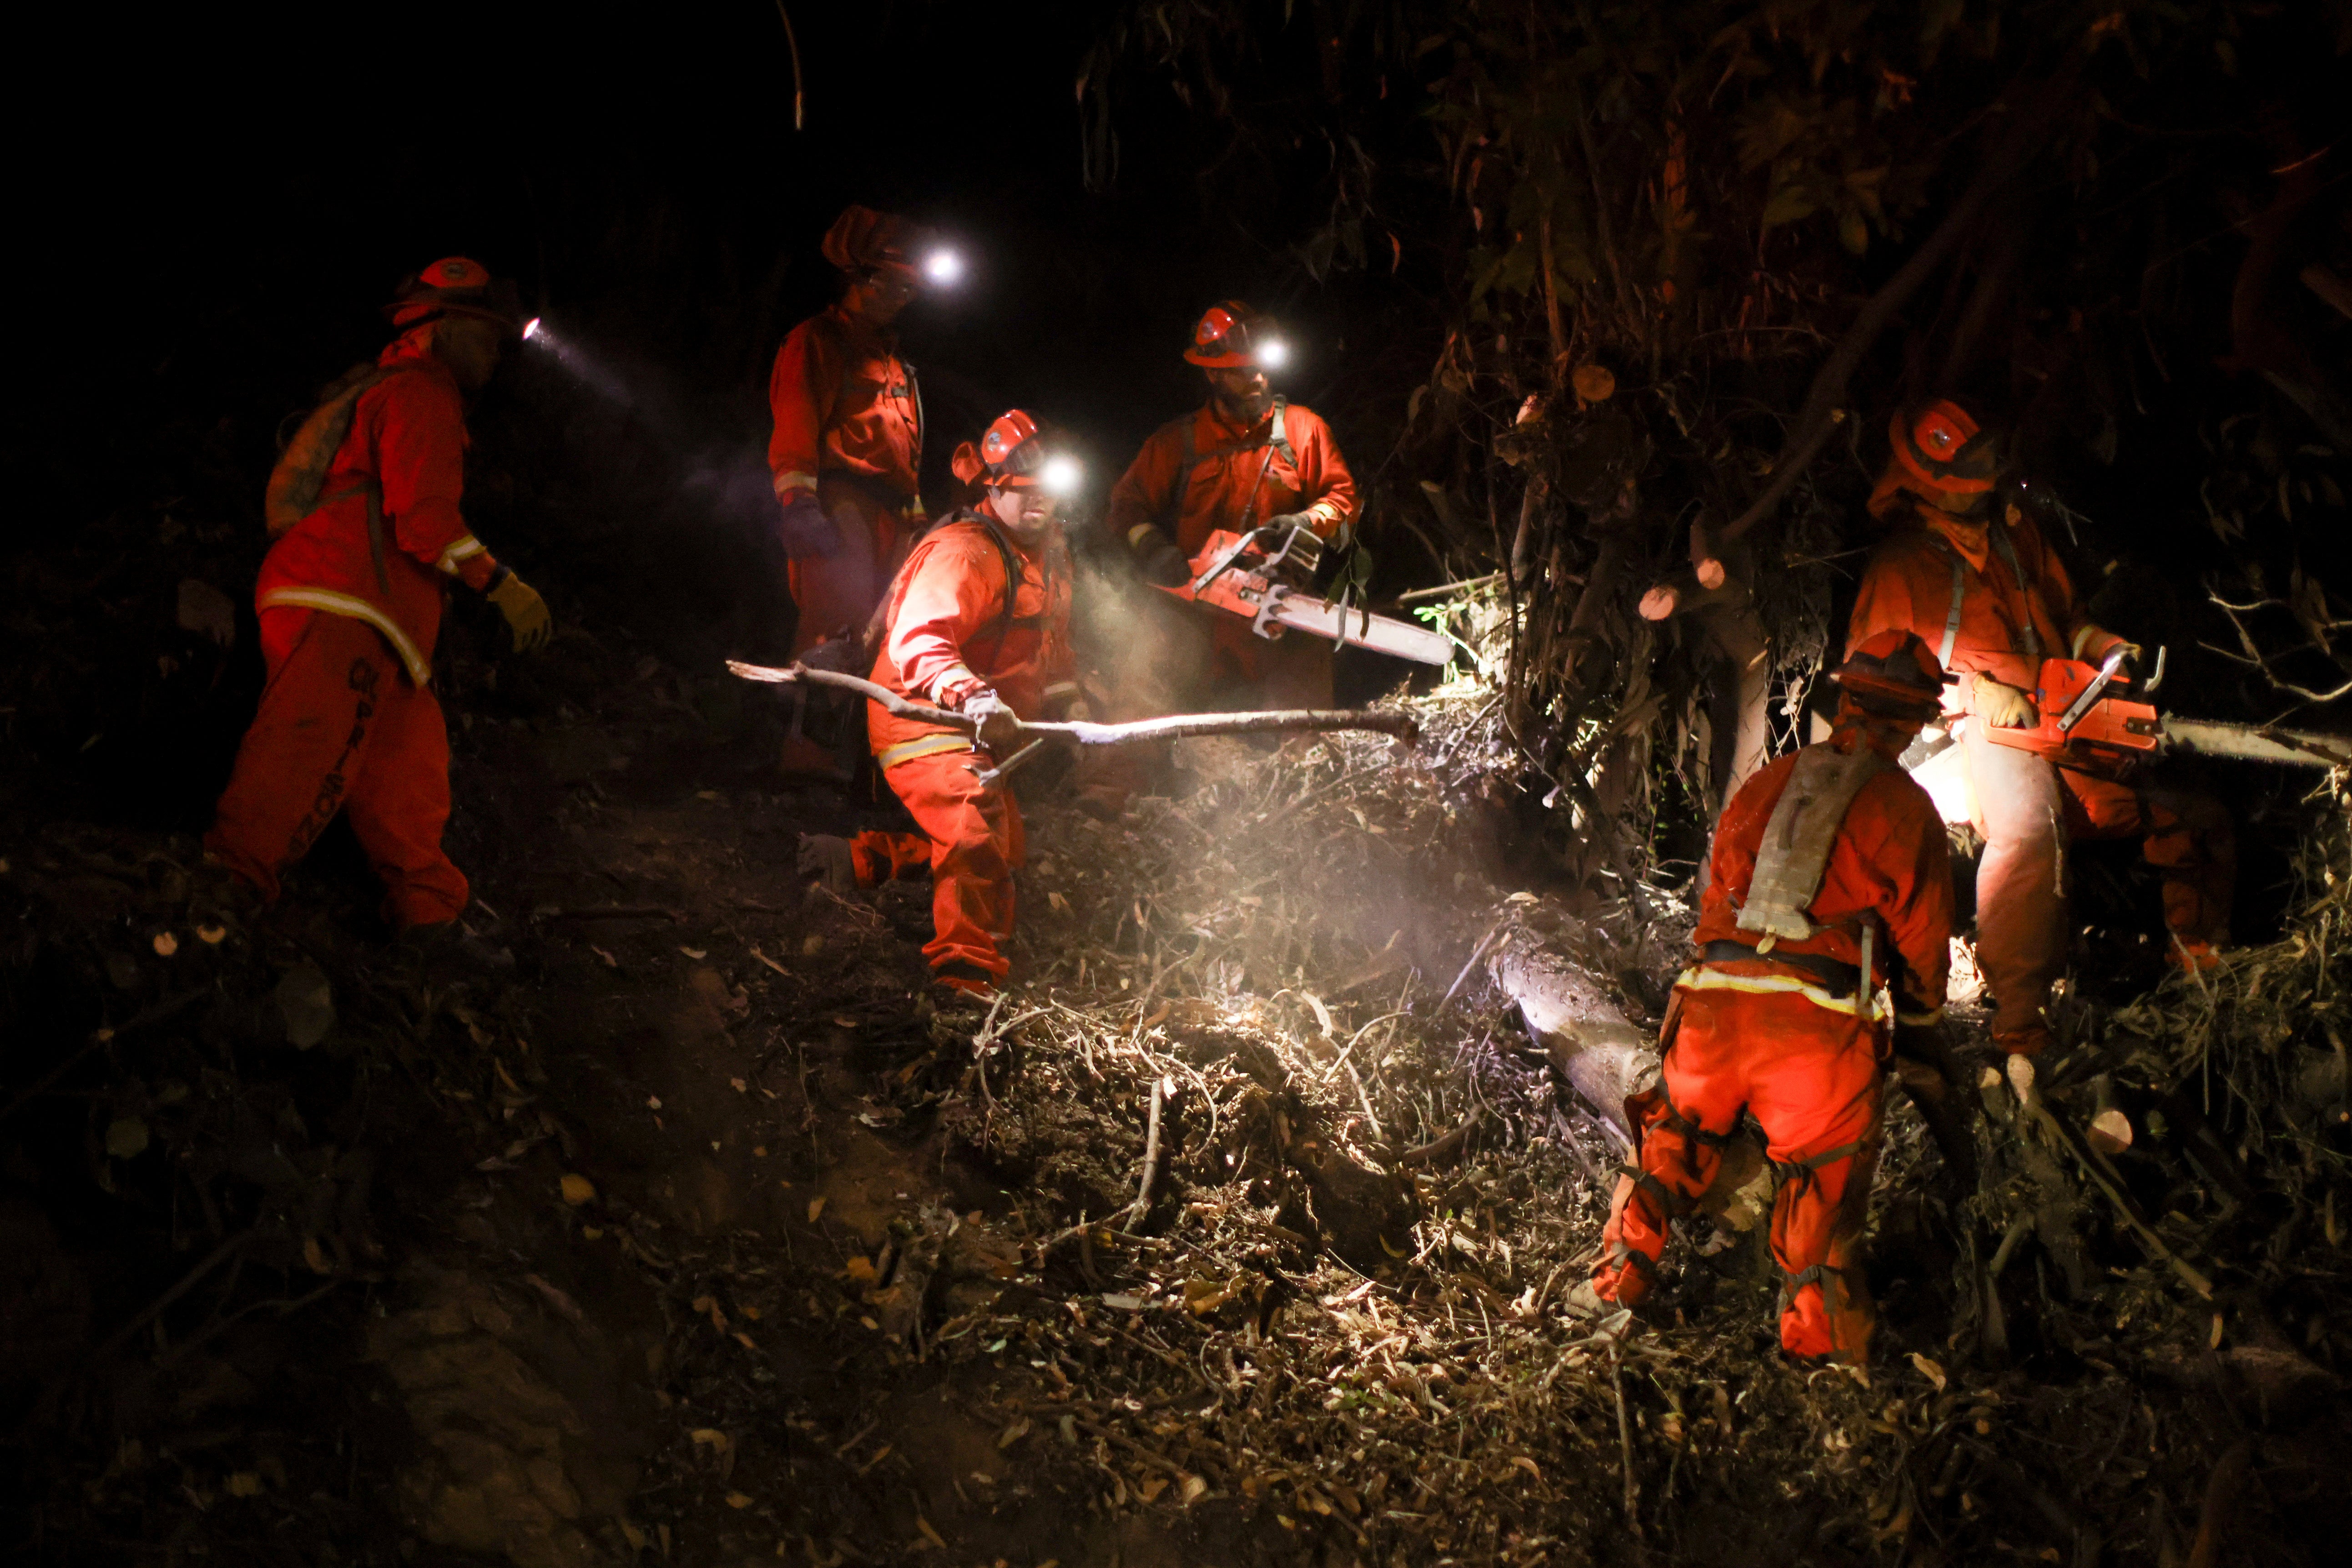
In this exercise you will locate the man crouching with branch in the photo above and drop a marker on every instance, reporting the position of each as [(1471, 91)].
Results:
[(977, 623), (1831, 878)]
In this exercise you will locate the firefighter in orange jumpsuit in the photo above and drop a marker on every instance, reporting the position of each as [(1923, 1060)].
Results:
[(1994, 599), (1830, 879), (1245, 459), (979, 623), (349, 600), (848, 449)]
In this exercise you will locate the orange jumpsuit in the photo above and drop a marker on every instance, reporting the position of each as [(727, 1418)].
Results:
[(951, 634), (2027, 807), (348, 721), (848, 426), (1193, 477), (1200, 474), (1772, 1036)]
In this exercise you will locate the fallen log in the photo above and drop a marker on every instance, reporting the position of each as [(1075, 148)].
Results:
[(1304, 720), (1602, 1054)]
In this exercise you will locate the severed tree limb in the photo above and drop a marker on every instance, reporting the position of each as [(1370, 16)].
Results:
[(1315, 720)]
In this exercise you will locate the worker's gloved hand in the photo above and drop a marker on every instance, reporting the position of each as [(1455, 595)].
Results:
[(1293, 531), (806, 531), (525, 611), (999, 731), (2003, 706), (1157, 557)]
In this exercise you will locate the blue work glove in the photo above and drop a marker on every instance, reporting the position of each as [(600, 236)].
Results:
[(805, 530)]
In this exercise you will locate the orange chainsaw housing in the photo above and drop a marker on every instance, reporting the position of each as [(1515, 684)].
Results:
[(2114, 732), (1236, 590)]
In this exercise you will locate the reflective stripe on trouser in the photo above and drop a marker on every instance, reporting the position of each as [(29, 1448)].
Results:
[(971, 840), (1812, 1077), (840, 590), (2026, 808), (341, 728)]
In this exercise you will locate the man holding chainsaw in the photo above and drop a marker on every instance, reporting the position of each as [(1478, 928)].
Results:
[(1990, 595), (363, 507), (1248, 463), (1830, 880), (847, 446), (977, 623)]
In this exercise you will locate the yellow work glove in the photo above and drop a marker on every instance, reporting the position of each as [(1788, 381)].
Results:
[(525, 611), (2003, 706)]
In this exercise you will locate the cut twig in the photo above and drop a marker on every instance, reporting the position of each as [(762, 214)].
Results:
[(1438, 1148), (1142, 1204), (1476, 953)]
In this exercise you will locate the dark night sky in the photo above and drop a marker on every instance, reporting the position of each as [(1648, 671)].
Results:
[(238, 195)]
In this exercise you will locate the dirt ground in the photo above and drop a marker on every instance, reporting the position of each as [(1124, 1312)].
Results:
[(701, 1236)]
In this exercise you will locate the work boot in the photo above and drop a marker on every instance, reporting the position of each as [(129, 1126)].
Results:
[(958, 981), (220, 902), (2192, 955), (1585, 1303), (440, 942), (828, 859)]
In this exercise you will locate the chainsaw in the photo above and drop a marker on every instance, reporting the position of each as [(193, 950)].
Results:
[(1247, 576), (2095, 717)]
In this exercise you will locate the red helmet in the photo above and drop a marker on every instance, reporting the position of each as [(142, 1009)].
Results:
[(1229, 336), (864, 240), (1014, 454), (1893, 675), (454, 286), (1944, 457)]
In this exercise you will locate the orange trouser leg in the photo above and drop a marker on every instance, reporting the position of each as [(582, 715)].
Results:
[(975, 841), (340, 727), (399, 806), (837, 591), (2020, 908), (1814, 1084), (2188, 837), (1700, 1092)]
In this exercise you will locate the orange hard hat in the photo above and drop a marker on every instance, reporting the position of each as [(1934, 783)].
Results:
[(1893, 675), (1944, 456), (454, 286), (1229, 336), (1015, 454)]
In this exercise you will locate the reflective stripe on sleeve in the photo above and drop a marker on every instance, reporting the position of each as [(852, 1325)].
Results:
[(462, 548), (924, 746), (358, 609), (1135, 535), (1061, 688), (794, 480)]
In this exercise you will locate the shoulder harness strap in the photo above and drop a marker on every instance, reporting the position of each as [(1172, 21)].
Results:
[(1797, 837), (2007, 549), (1959, 597)]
